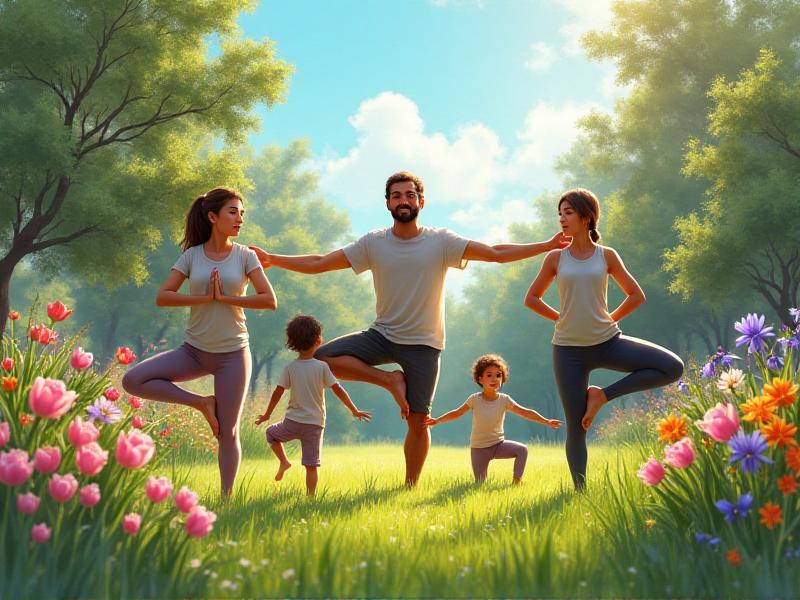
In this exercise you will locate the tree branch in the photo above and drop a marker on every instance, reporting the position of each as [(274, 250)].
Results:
[(64, 239)]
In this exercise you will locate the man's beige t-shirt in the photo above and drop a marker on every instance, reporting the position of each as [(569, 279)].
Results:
[(409, 280), (217, 327), (307, 380), (487, 419)]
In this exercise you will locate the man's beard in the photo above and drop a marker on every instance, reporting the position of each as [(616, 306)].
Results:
[(405, 217)]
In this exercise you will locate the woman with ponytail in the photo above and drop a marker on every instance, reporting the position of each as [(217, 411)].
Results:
[(587, 336), (218, 271)]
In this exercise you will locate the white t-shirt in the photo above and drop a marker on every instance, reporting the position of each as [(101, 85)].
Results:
[(217, 327), (307, 379), (487, 419), (409, 280)]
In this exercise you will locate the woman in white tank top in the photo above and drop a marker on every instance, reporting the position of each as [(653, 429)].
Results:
[(587, 336)]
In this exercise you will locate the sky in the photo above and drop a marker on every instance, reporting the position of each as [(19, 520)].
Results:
[(477, 97)]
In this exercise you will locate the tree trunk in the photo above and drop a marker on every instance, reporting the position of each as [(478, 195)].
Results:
[(111, 332), (258, 364)]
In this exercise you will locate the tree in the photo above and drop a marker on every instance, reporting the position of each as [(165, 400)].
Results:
[(747, 227), (111, 110)]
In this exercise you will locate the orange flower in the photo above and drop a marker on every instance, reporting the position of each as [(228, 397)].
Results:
[(9, 383), (771, 515), (734, 557), (25, 418), (672, 428), (787, 484), (793, 459), (782, 391), (760, 408), (779, 433)]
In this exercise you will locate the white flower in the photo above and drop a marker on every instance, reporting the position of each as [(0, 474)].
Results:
[(288, 574), (244, 562), (227, 584), (562, 556), (195, 563), (632, 570), (730, 380)]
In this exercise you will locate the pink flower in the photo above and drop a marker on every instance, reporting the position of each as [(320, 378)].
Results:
[(720, 422), (46, 460), (91, 459), (28, 503), (137, 422), (200, 522), (82, 432), (57, 311), (80, 359), (89, 495), (135, 402), (7, 364), (112, 394), (62, 487), (185, 499), (125, 355), (49, 398), (42, 334), (134, 449), (158, 488), (651, 472), (40, 533), (15, 467), (5, 434), (680, 454), (131, 523)]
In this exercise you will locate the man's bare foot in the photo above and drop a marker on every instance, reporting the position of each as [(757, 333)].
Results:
[(595, 399), (397, 387), (282, 468), (209, 409)]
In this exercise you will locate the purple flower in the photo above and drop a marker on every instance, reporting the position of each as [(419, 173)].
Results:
[(775, 362), (683, 387), (708, 369), (732, 511), (753, 332), (749, 449), (795, 313), (705, 538), (104, 410)]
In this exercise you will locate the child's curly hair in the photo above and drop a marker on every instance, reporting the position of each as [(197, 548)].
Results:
[(302, 333), (489, 360)]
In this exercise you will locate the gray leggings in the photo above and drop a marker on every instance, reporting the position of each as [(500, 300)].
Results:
[(153, 379), (650, 366), (505, 449)]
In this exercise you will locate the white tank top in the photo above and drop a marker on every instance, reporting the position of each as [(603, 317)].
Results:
[(583, 289)]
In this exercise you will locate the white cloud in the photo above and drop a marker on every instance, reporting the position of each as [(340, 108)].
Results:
[(543, 56), (493, 218), (587, 15)]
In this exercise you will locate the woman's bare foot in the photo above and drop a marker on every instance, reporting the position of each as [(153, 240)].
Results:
[(209, 409), (397, 387), (595, 399), (282, 468)]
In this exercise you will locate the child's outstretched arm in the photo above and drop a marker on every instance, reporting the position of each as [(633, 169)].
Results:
[(532, 415), (448, 416), (342, 394), (273, 402)]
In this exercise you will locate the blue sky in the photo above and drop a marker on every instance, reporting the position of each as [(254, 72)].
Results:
[(475, 96)]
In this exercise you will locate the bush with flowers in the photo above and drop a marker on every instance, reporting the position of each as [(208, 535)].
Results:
[(724, 470), (85, 510)]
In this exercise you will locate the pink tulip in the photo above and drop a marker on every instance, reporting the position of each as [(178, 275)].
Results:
[(200, 522), (49, 398), (28, 503), (40, 533), (134, 449), (651, 472), (80, 359), (15, 467), (680, 454), (112, 394), (47, 460), (137, 422), (185, 499), (7, 364), (131, 523), (5, 434), (89, 495), (82, 432), (57, 311), (720, 422), (91, 458), (158, 489), (125, 355), (62, 487), (135, 402)]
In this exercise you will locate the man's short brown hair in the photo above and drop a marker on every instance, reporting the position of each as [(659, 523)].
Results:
[(302, 332), (489, 360), (401, 176)]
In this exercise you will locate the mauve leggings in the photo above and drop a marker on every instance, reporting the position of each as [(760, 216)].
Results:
[(154, 379), (650, 366), (505, 449)]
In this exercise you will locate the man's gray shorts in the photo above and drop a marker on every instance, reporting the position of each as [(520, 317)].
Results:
[(419, 362)]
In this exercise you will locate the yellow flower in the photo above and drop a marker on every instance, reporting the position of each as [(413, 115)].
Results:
[(783, 392), (672, 428)]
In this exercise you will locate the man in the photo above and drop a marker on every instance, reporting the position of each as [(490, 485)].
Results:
[(409, 264)]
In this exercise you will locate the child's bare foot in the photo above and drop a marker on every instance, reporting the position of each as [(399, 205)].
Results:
[(595, 399), (209, 409), (517, 480), (282, 468), (397, 387)]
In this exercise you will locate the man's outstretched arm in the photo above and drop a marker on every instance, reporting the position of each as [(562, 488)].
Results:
[(503, 253), (306, 263)]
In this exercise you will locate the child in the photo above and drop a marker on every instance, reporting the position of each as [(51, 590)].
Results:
[(489, 407), (307, 377)]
